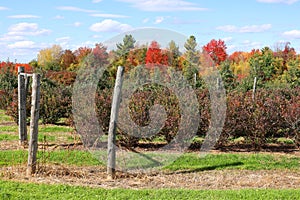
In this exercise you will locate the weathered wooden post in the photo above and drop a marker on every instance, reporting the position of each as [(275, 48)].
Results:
[(33, 143), (111, 151), (22, 106), (254, 88)]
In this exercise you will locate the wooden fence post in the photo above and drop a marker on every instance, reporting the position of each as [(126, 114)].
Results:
[(254, 88), (111, 151), (22, 106), (33, 143)]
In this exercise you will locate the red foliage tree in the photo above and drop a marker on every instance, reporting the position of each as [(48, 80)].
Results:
[(27, 67), (67, 58), (287, 54), (100, 53), (6, 65), (81, 53), (217, 50), (155, 55)]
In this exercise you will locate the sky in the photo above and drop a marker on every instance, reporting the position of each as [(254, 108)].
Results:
[(28, 26)]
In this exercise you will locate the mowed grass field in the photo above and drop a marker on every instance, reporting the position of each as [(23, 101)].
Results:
[(14, 190), (12, 187)]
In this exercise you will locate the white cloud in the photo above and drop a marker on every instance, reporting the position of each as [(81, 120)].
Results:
[(245, 29), (164, 5), (245, 45), (97, 36), (110, 25), (184, 21), (22, 45), (146, 20), (228, 28), (108, 15), (3, 8), (76, 9), (20, 27), (295, 34), (77, 24), (97, 1), (227, 39), (24, 28), (10, 38), (279, 1), (63, 42), (59, 17), (159, 20), (23, 16), (63, 39), (251, 45)]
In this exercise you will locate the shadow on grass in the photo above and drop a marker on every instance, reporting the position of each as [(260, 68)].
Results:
[(153, 162), (208, 168)]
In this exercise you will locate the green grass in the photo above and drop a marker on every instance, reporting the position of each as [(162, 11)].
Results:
[(253, 161), (16, 190), (8, 129), (188, 162), (55, 129), (41, 137), (4, 117), (8, 137), (75, 158)]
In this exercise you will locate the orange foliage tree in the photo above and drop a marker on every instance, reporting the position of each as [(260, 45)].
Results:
[(155, 55)]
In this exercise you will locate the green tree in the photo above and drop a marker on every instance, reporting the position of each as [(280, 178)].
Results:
[(292, 75), (173, 54), (228, 77), (127, 45), (190, 65), (191, 53), (120, 56), (263, 65)]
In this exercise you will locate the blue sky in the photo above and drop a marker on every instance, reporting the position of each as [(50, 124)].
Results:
[(29, 26)]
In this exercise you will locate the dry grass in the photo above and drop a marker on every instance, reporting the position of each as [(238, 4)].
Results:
[(96, 177)]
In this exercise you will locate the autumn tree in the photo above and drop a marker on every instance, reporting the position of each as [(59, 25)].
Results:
[(49, 58), (81, 53), (292, 75), (100, 52), (155, 55), (27, 67), (263, 66), (237, 57), (137, 56), (287, 54), (217, 50), (67, 59)]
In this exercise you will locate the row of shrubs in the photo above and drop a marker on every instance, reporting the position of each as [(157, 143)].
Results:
[(274, 113)]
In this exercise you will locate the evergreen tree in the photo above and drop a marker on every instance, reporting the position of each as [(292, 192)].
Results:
[(128, 44), (191, 53), (174, 54), (228, 77)]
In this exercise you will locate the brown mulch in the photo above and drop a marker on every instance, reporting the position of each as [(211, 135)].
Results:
[(216, 179)]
